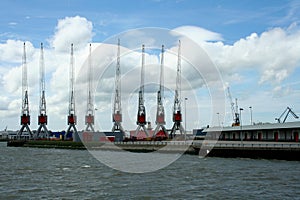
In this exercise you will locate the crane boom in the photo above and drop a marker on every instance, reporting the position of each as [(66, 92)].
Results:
[(42, 118), (42, 83), (141, 110), (89, 118), (117, 112), (287, 111), (177, 116), (160, 112), (71, 86), (234, 109), (25, 117), (141, 115), (72, 113)]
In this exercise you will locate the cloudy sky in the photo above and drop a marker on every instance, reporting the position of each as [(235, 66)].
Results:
[(252, 46)]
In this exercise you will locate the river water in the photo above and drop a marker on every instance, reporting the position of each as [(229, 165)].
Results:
[(33, 173)]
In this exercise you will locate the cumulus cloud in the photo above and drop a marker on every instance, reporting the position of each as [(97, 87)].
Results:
[(274, 54), (76, 30)]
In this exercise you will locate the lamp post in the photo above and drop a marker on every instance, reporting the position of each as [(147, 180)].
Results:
[(218, 118), (251, 122), (95, 117), (241, 123), (185, 99)]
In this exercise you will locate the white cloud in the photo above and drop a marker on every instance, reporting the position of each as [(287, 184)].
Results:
[(76, 30), (198, 34), (274, 54)]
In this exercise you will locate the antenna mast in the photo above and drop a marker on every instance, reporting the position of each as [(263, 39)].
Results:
[(117, 111), (141, 115), (72, 114), (89, 118), (25, 116), (42, 118), (177, 115), (160, 113)]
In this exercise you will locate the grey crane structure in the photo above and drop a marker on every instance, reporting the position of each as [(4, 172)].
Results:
[(25, 116)]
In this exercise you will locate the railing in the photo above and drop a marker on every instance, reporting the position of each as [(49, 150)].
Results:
[(243, 144)]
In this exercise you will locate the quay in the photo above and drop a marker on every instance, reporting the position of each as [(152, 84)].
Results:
[(210, 148)]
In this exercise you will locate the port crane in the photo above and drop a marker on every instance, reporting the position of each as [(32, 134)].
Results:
[(89, 118), (42, 131), (287, 111), (25, 116), (72, 113), (160, 113), (177, 115), (117, 111), (234, 109), (141, 115)]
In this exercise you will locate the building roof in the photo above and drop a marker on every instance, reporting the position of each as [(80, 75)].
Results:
[(268, 126)]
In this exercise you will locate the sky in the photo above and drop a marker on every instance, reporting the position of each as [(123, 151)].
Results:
[(252, 46)]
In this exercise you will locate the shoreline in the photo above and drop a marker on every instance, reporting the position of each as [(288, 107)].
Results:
[(228, 149)]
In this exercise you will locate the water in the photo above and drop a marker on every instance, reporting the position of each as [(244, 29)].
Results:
[(31, 173)]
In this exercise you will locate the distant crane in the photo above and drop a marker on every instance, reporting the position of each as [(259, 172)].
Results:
[(287, 111), (141, 115), (234, 109), (89, 118), (160, 113), (177, 115), (72, 113), (25, 116), (42, 118), (117, 111)]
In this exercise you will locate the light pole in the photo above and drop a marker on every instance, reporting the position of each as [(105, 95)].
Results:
[(251, 122), (185, 99), (95, 117), (218, 118), (241, 123)]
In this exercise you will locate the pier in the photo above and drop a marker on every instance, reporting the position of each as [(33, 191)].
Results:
[(232, 149)]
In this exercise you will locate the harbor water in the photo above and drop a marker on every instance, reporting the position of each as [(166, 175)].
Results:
[(36, 173)]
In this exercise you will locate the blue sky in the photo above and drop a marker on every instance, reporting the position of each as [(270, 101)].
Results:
[(34, 20), (254, 44)]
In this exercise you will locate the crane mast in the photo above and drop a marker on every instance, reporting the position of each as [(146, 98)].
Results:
[(234, 109), (141, 115), (177, 115), (42, 118), (89, 118), (25, 116), (72, 114), (117, 111), (160, 112)]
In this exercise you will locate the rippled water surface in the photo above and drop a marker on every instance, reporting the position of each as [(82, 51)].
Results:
[(32, 173)]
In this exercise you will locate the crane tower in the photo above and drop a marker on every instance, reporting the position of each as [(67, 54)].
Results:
[(117, 111), (141, 115), (177, 115), (160, 112), (89, 118), (25, 116), (72, 113), (234, 110), (42, 118)]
